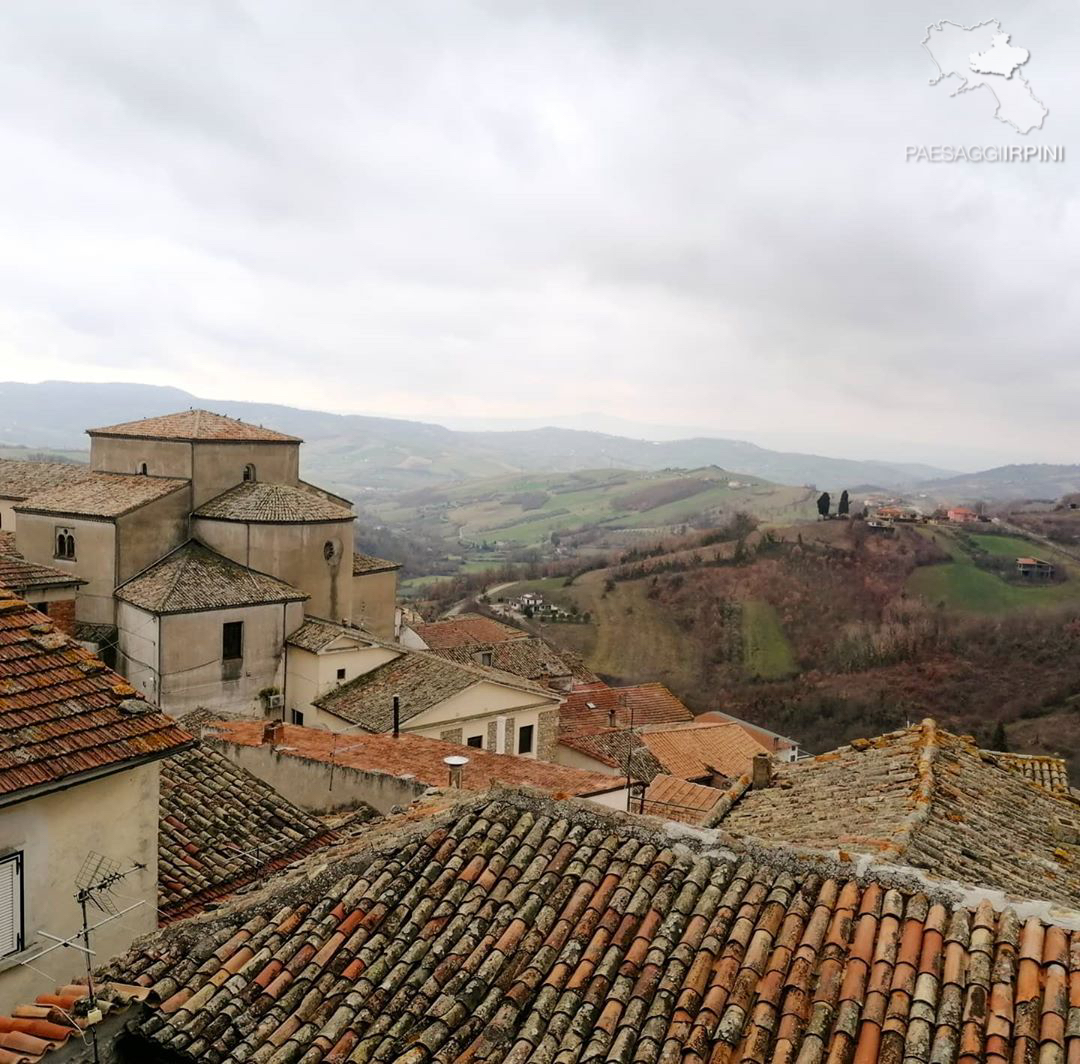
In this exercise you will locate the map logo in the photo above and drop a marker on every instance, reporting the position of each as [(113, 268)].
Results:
[(983, 57)]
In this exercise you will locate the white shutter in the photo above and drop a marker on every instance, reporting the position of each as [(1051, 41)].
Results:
[(10, 904)]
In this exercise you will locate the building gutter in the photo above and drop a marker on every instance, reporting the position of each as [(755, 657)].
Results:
[(41, 789)]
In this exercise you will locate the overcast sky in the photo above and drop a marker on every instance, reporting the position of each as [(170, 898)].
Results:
[(675, 212)]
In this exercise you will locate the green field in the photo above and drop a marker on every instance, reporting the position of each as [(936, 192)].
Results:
[(766, 651), (523, 510), (960, 585)]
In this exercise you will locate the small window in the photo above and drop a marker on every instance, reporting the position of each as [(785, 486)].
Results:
[(525, 739), (41, 607), (475, 741), (232, 640), (485, 657), (11, 904), (65, 544), (298, 717), (341, 674), (249, 473), (142, 470)]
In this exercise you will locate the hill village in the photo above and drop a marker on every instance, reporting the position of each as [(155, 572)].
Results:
[(253, 810)]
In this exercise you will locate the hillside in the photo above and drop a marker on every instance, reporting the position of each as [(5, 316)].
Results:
[(1008, 483), (818, 631), (526, 511), (356, 454)]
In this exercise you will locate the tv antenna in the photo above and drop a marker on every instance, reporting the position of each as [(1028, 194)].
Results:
[(93, 888)]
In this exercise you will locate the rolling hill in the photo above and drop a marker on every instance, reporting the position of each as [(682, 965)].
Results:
[(1010, 483), (357, 454)]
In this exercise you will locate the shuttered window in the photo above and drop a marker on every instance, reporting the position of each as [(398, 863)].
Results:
[(11, 921)]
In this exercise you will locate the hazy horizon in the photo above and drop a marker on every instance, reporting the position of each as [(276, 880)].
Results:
[(677, 215)]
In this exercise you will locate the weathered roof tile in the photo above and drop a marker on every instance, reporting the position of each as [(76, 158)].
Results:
[(195, 425), (262, 503), (62, 713), (194, 577), (511, 929)]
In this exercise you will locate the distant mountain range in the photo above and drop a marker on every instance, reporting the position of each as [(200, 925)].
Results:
[(1009, 483), (357, 454)]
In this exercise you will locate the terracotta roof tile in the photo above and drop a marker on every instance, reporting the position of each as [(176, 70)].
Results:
[(508, 930), (63, 713), (1049, 772), (418, 757), (368, 563), (612, 747), (693, 751), (19, 575), (596, 705), (420, 680), (193, 577), (530, 658), (222, 828), (195, 425), (97, 494), (467, 629), (272, 504), (19, 480), (316, 635), (677, 799), (926, 798)]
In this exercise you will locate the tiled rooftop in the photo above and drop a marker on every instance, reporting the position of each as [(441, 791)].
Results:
[(63, 713), (694, 751), (1049, 772), (193, 577), (592, 706), (611, 747), (530, 658), (19, 480), (41, 1031), (467, 629), (518, 930), (419, 757), (672, 798), (368, 563), (222, 828), (272, 504), (420, 679), (195, 425), (19, 575), (921, 797), (101, 495), (316, 635)]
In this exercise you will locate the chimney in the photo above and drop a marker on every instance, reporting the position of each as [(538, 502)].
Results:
[(397, 716), (273, 732), (611, 717), (456, 763), (761, 772)]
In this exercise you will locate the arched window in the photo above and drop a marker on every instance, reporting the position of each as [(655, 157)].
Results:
[(65, 544), (142, 469), (249, 473)]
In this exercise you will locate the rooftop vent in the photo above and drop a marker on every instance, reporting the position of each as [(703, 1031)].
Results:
[(456, 764)]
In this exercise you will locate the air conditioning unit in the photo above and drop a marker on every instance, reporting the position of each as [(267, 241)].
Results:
[(275, 701)]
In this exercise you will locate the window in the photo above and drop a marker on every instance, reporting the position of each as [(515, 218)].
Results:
[(232, 640), (525, 739), (249, 473), (142, 470), (475, 741), (298, 717), (485, 657), (65, 544), (341, 674), (11, 916)]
